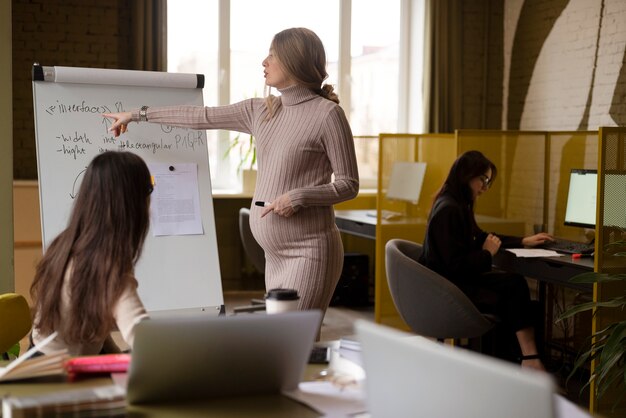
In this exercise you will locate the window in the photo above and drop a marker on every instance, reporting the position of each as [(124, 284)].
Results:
[(253, 25), (192, 47), (226, 40)]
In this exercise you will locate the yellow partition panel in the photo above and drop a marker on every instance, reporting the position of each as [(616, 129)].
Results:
[(409, 220), (567, 151), (514, 203), (610, 249)]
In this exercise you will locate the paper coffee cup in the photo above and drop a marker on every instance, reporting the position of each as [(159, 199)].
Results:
[(281, 300)]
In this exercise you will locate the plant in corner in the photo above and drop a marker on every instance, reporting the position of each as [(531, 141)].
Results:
[(246, 148), (607, 347), (243, 144)]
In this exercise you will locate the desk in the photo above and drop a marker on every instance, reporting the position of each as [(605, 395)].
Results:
[(240, 407), (553, 270), (357, 222), (547, 270)]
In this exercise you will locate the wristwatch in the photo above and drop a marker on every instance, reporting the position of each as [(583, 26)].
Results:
[(143, 117)]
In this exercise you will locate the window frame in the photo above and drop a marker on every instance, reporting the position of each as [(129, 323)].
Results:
[(409, 86)]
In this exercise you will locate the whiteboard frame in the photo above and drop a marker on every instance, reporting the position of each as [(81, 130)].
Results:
[(176, 274)]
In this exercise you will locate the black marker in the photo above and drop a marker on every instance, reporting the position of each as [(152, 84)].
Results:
[(262, 203)]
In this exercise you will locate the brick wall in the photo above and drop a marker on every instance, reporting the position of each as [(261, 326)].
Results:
[(81, 33), (565, 64)]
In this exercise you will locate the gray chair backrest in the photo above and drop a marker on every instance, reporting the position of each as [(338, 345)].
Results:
[(252, 248), (429, 303)]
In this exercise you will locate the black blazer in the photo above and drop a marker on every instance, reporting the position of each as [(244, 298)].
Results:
[(453, 241)]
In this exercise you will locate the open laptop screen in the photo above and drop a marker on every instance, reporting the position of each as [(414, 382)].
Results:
[(581, 199)]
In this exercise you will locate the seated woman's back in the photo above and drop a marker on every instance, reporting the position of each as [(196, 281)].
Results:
[(84, 285)]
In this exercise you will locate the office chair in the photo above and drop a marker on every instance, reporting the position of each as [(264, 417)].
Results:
[(15, 321), (430, 304), (255, 253), (252, 248)]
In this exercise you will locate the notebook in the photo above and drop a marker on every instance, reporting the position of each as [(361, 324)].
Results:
[(408, 376), (196, 357)]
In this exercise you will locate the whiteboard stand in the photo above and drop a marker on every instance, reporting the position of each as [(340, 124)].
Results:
[(177, 274)]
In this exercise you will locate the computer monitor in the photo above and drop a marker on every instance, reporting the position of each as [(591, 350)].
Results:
[(406, 181), (581, 198)]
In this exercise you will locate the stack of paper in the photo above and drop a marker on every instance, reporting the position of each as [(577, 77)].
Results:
[(52, 364), (27, 366)]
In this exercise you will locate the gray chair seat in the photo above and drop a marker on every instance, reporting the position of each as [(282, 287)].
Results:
[(252, 248), (256, 255), (430, 304)]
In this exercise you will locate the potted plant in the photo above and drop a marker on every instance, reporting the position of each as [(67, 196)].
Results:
[(246, 148), (606, 347)]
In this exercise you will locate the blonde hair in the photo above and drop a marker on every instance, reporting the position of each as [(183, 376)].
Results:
[(302, 57)]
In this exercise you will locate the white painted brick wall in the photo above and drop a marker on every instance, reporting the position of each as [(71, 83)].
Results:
[(563, 75)]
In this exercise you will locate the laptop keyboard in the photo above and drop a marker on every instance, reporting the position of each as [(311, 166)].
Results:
[(569, 247)]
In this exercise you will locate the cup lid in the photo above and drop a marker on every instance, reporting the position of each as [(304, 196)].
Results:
[(282, 294)]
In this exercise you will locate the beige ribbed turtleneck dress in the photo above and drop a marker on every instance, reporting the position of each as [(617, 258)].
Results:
[(299, 148)]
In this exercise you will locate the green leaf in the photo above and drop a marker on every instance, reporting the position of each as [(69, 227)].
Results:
[(15, 350), (593, 277), (618, 302), (614, 348)]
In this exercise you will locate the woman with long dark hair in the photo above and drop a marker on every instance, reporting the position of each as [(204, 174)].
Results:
[(84, 286), (456, 248)]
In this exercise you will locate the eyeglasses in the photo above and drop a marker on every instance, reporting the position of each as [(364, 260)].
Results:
[(486, 181)]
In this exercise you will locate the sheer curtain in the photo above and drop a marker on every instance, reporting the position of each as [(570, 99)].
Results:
[(442, 65), (149, 29)]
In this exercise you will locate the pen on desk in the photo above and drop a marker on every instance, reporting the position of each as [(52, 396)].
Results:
[(575, 256), (262, 203)]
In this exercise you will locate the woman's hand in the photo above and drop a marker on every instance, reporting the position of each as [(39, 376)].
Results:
[(120, 122), (492, 244), (280, 206), (537, 239)]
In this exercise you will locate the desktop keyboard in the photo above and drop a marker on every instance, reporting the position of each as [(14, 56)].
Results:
[(385, 214), (569, 247)]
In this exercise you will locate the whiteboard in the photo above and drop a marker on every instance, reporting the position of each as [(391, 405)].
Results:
[(175, 273)]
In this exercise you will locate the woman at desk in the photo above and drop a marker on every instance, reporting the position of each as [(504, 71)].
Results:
[(302, 138), (456, 248), (84, 285)]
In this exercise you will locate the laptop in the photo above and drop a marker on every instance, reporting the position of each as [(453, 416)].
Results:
[(409, 376), (198, 357)]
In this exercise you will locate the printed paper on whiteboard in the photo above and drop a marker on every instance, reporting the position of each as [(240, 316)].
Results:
[(175, 203)]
